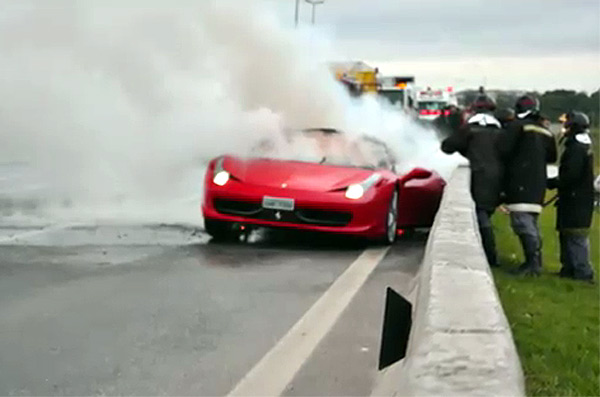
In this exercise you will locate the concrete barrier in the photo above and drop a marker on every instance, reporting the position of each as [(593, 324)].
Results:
[(460, 342)]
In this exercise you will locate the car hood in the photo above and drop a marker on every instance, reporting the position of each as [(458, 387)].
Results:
[(294, 174)]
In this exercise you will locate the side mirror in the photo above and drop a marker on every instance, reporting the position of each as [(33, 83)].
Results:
[(417, 173)]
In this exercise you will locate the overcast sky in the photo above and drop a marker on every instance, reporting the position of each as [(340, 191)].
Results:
[(531, 44)]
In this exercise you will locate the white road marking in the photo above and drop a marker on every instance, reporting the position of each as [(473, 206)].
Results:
[(32, 233), (277, 368)]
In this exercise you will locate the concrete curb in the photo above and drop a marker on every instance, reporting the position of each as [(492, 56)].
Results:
[(460, 343)]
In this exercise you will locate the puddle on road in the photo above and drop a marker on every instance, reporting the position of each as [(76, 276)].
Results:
[(107, 256), (102, 235), (10, 232), (81, 257)]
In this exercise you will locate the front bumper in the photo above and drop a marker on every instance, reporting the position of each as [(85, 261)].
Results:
[(329, 212)]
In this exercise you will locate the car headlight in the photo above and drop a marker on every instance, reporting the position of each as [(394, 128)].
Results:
[(220, 176), (357, 190)]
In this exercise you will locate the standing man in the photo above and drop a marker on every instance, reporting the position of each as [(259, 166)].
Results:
[(449, 122), (575, 205), (526, 148), (477, 142)]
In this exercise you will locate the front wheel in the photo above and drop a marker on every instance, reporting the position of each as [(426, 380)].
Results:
[(391, 221)]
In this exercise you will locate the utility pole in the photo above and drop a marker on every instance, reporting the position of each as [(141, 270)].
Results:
[(314, 4), (296, 14)]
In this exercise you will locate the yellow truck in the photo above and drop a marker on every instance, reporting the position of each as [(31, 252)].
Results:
[(358, 77), (361, 78)]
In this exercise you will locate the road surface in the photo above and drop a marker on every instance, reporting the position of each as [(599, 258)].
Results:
[(162, 310)]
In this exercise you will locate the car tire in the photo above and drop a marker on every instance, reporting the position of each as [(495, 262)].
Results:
[(391, 220), (218, 230)]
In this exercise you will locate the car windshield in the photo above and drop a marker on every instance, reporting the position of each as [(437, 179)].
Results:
[(393, 96), (328, 146), (431, 105)]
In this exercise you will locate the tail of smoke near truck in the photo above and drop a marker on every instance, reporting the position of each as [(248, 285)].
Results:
[(117, 109)]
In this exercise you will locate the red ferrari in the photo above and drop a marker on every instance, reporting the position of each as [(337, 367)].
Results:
[(334, 184)]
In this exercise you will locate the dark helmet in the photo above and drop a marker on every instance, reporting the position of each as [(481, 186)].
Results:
[(483, 103), (577, 121), (527, 103), (504, 115)]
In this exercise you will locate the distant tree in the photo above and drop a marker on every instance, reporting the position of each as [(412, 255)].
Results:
[(556, 102), (595, 111), (506, 99), (466, 97), (553, 103)]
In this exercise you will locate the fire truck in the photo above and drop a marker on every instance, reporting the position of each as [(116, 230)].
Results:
[(398, 90), (430, 104)]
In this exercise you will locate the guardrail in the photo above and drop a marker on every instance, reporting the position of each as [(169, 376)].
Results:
[(460, 342)]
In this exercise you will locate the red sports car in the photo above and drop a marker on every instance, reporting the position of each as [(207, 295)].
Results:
[(332, 182)]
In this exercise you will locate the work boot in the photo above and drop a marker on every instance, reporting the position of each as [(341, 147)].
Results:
[(583, 274), (586, 279), (489, 245), (533, 257), (565, 272), (528, 270)]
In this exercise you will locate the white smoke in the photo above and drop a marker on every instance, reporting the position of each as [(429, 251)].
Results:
[(118, 107)]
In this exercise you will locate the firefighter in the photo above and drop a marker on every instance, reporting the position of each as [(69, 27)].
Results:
[(526, 148), (575, 184), (449, 122), (477, 142)]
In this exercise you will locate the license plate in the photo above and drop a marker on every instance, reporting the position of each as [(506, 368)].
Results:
[(280, 204)]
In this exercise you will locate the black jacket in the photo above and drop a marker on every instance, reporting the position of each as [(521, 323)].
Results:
[(448, 124), (575, 183), (477, 142), (526, 148)]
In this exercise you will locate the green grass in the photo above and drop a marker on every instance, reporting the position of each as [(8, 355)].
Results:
[(555, 322)]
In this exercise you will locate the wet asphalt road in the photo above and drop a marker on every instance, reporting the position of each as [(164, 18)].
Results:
[(161, 310), (158, 310)]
